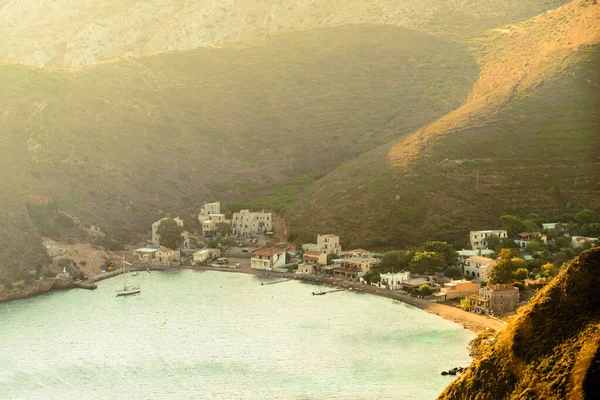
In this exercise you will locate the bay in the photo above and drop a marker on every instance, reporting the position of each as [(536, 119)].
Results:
[(219, 335)]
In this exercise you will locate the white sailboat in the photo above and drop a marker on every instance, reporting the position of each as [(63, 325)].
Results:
[(127, 290)]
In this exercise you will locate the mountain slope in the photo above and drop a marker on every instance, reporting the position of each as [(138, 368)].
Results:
[(530, 124), (119, 144), (68, 33), (552, 351)]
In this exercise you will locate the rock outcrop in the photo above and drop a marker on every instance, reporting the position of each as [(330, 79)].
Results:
[(551, 351)]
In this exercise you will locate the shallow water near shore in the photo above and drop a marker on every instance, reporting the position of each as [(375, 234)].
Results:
[(218, 335)]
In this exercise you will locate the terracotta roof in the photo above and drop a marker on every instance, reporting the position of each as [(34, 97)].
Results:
[(165, 250), (525, 234), (330, 236), (268, 252)]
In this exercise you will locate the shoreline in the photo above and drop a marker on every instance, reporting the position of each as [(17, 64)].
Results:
[(476, 323)]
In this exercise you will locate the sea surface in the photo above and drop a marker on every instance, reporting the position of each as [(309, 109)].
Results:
[(219, 335)]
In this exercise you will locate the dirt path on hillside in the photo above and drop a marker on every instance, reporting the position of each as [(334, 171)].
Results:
[(282, 231)]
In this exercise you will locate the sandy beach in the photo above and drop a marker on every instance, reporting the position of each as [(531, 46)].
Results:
[(474, 322)]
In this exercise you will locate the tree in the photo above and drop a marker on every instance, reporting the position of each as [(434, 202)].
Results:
[(530, 226), (513, 225), (372, 277), (453, 272), (586, 217), (506, 266), (425, 262), (548, 269), (494, 242), (425, 290), (170, 233), (590, 230), (444, 250), (330, 258), (394, 260), (521, 273), (223, 228), (505, 243), (465, 304), (535, 246)]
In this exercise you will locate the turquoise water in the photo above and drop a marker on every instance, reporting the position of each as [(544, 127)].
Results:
[(218, 335)]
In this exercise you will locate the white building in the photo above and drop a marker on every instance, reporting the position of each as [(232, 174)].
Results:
[(146, 254), (156, 237), (464, 254), (246, 222), (268, 259), (328, 244), (578, 241), (479, 239), (210, 208), (210, 216), (479, 268), (550, 225), (210, 224), (166, 256), (305, 269), (204, 255), (394, 281)]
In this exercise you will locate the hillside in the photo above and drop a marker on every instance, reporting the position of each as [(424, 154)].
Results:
[(68, 33), (528, 131), (552, 351), (119, 144)]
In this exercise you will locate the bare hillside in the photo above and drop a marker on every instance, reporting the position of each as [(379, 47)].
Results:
[(67, 33)]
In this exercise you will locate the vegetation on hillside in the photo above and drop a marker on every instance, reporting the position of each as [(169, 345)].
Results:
[(121, 144), (551, 351), (517, 152)]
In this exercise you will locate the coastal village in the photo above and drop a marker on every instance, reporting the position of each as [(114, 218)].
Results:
[(500, 271)]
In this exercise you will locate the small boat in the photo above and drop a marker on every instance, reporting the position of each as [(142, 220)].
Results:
[(135, 274), (322, 292), (127, 290)]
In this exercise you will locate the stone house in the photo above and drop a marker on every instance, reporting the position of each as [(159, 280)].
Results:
[(497, 299)]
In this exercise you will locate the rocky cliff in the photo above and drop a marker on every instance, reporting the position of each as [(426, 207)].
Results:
[(552, 351)]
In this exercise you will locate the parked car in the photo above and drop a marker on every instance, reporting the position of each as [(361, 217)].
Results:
[(245, 250), (222, 261)]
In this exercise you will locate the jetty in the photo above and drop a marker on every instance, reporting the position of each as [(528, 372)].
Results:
[(274, 282), (322, 292), (111, 274)]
